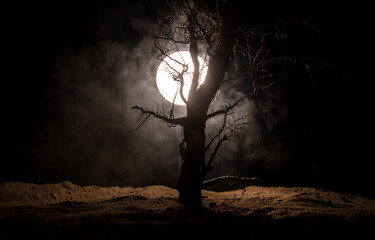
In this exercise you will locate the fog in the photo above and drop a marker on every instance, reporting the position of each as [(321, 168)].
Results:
[(100, 66), (74, 70), (98, 138)]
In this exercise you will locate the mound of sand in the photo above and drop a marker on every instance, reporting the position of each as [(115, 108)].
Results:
[(66, 210), (26, 194)]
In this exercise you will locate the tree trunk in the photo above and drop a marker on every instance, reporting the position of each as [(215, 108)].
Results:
[(192, 149), (192, 152), (189, 178)]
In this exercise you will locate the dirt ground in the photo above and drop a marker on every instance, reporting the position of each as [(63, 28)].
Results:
[(68, 211)]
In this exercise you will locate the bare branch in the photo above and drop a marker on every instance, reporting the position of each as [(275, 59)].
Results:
[(244, 180), (219, 132), (140, 125), (203, 31), (171, 115), (181, 75), (260, 30), (167, 55), (209, 167), (174, 121), (307, 64), (228, 80), (166, 38), (194, 57), (230, 107)]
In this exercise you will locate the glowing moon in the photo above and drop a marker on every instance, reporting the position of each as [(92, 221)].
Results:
[(169, 69)]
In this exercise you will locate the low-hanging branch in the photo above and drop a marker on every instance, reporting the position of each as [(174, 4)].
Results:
[(174, 121), (228, 178)]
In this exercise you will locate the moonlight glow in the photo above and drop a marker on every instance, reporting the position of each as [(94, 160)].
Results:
[(167, 76)]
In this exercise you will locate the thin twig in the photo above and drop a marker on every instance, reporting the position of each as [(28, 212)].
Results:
[(228, 178)]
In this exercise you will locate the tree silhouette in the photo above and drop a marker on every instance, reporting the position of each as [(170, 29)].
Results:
[(210, 31)]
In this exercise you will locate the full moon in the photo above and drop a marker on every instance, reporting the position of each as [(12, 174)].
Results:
[(167, 76)]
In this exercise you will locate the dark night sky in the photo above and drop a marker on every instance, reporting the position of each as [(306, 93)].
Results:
[(74, 69)]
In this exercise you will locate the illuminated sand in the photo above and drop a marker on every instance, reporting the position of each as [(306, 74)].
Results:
[(67, 210)]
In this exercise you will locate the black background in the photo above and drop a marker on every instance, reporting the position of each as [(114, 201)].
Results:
[(338, 110)]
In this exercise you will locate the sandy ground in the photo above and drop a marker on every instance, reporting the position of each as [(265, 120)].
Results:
[(68, 211)]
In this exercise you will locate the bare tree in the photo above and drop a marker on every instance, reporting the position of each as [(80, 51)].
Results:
[(211, 32)]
